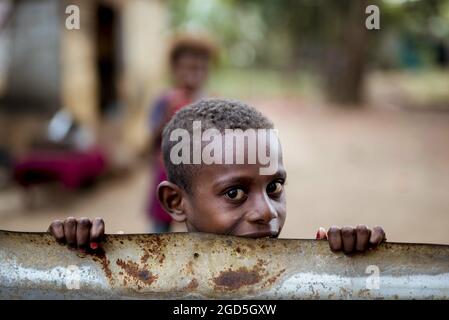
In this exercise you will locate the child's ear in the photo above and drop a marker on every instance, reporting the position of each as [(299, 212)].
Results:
[(171, 198)]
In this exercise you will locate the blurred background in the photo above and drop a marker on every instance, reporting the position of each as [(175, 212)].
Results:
[(363, 115)]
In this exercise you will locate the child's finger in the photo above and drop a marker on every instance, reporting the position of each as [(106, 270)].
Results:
[(70, 231), (96, 232), (57, 230), (321, 234), (334, 238), (83, 233), (363, 235), (348, 239), (377, 236)]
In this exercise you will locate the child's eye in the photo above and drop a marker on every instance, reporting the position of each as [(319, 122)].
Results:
[(235, 194), (275, 187)]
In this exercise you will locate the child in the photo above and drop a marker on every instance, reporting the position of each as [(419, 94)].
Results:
[(240, 198), (189, 62)]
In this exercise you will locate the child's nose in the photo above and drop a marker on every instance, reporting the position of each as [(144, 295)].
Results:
[(263, 211)]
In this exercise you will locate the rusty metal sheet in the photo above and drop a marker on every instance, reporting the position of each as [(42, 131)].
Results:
[(190, 266)]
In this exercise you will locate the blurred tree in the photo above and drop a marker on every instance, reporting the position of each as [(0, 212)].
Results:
[(325, 35), (423, 28), (345, 47), (336, 29)]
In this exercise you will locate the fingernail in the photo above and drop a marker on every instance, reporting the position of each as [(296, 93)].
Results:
[(93, 245), (321, 233)]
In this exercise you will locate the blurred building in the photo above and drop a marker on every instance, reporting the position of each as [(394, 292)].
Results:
[(104, 73)]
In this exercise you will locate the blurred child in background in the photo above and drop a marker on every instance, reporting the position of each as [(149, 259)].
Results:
[(190, 59)]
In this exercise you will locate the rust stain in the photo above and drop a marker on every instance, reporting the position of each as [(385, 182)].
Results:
[(153, 249), (133, 270), (345, 293), (251, 245), (274, 278), (235, 279), (241, 250), (189, 268), (145, 257), (364, 293), (193, 284), (261, 263), (100, 256)]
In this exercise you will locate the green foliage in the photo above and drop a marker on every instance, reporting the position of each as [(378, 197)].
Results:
[(273, 33), (238, 29)]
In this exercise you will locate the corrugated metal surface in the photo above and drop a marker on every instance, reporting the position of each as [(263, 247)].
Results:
[(193, 266)]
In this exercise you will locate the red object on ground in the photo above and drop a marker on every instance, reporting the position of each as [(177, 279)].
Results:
[(70, 168)]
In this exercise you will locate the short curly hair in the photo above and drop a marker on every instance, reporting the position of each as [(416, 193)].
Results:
[(220, 114)]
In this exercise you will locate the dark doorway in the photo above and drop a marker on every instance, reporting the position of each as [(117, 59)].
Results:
[(107, 58)]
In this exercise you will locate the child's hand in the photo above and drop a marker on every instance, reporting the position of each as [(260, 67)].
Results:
[(349, 239), (80, 234)]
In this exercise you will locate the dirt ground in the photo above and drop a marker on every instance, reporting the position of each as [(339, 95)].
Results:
[(374, 166)]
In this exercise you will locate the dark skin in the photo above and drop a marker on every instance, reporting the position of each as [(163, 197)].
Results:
[(190, 71), (240, 201), (226, 199)]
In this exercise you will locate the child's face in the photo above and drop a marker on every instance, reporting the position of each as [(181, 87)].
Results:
[(236, 199), (190, 71)]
